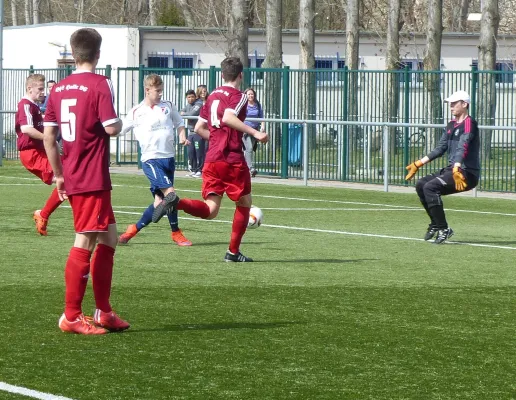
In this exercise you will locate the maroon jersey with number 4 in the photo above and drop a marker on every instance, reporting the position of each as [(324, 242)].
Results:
[(225, 142), (28, 114), (81, 105)]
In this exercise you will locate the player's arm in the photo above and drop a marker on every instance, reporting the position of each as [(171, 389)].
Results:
[(231, 120), (50, 132), (128, 122), (201, 128), (114, 129), (470, 133), (32, 132)]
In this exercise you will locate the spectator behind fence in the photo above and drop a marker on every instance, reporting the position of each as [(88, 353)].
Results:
[(195, 143), (254, 110), (50, 85)]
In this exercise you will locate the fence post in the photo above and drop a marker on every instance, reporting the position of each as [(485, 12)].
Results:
[(108, 71), (407, 117), (474, 81), (386, 149), (31, 69), (141, 95), (68, 69), (345, 139), (305, 153), (285, 97), (212, 79)]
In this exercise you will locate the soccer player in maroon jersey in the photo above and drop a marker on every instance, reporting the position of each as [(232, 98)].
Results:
[(225, 170), (29, 128), (81, 106)]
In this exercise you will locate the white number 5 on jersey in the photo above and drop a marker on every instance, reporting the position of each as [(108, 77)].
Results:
[(67, 124), (215, 121)]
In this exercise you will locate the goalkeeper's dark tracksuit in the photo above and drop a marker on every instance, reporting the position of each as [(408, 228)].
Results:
[(462, 143)]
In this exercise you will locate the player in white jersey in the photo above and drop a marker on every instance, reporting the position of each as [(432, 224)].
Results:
[(153, 122)]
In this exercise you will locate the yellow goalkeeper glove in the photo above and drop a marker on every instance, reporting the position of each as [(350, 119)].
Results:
[(460, 180), (412, 169)]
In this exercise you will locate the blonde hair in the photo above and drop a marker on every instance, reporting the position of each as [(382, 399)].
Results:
[(153, 80), (34, 78), (199, 90)]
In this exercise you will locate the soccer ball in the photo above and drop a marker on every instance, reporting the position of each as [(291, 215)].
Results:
[(255, 218)]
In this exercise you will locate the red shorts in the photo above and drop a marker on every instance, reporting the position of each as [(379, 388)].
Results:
[(92, 212), (36, 161), (220, 177)]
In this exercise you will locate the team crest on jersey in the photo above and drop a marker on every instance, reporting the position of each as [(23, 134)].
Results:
[(456, 132), (165, 110)]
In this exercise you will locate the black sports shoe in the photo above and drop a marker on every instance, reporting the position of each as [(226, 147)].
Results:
[(238, 257), (167, 205), (443, 235), (431, 232)]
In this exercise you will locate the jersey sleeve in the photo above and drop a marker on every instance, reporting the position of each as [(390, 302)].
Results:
[(203, 115), (176, 118), (238, 103), (128, 122), (25, 117), (50, 113), (441, 147), (105, 103)]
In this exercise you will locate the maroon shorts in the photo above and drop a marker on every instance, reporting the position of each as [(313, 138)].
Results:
[(36, 161), (220, 177), (92, 212)]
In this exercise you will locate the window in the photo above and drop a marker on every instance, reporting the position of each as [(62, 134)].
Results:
[(330, 65), (505, 67), (256, 61), (413, 65), (172, 60)]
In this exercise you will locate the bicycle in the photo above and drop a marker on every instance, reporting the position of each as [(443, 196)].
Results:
[(416, 139)]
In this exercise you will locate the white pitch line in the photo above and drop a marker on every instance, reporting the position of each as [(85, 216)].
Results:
[(5, 387), (302, 209), (337, 232), (323, 201)]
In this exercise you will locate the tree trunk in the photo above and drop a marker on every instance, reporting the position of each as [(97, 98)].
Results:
[(153, 13), (35, 11), (393, 65), (273, 59), (463, 18), (432, 62), (487, 62), (238, 33), (14, 12), (352, 43), (187, 13), (307, 83), (80, 11), (27, 12)]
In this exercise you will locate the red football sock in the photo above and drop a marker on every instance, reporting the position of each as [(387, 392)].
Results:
[(101, 275), (197, 208), (240, 221), (76, 279), (52, 203)]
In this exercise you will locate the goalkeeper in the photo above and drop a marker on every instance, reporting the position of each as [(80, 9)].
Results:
[(462, 143)]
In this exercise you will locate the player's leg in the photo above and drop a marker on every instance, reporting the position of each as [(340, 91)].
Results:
[(157, 171), (212, 192), (37, 163), (441, 185), (432, 228), (146, 218), (238, 189), (77, 268), (102, 267)]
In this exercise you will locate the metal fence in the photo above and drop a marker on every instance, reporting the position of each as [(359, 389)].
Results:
[(336, 116)]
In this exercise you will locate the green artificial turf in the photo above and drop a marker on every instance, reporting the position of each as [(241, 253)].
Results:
[(327, 311)]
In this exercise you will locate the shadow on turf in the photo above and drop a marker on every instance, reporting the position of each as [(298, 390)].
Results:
[(217, 327)]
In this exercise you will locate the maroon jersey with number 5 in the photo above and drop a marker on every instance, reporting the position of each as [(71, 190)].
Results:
[(81, 105), (225, 142)]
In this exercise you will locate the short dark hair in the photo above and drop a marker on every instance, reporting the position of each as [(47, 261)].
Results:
[(190, 92), (231, 68), (51, 81), (85, 44)]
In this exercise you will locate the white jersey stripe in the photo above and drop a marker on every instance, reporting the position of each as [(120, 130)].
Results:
[(30, 121), (242, 103)]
